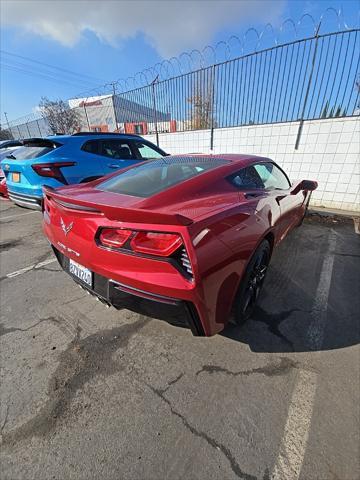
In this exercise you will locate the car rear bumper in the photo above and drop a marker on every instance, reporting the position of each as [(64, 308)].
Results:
[(28, 201), (175, 311)]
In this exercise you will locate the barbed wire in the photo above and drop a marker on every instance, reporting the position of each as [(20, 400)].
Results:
[(224, 50), (189, 61)]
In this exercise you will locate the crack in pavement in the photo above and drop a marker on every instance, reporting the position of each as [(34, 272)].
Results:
[(198, 433), (6, 331), (353, 255), (76, 299), (6, 418), (172, 382), (6, 246), (269, 370), (83, 360)]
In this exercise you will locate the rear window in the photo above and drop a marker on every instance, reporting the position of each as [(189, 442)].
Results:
[(158, 175), (29, 152)]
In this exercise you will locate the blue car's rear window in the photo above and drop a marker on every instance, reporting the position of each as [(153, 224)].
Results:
[(158, 175), (24, 153)]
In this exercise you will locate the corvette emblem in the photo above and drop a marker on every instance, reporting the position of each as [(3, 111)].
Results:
[(66, 229)]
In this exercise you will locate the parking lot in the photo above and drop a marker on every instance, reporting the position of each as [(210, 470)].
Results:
[(89, 392)]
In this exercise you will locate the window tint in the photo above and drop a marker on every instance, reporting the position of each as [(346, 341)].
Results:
[(91, 147), (116, 149), (146, 151), (266, 176), (155, 176), (247, 178), (272, 177), (30, 152)]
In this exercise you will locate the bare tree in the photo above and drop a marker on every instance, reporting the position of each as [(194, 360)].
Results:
[(334, 111), (5, 134), (202, 110), (60, 117)]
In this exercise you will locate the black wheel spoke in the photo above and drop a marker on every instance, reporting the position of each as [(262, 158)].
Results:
[(249, 290)]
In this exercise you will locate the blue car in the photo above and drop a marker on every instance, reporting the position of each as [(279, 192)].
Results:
[(61, 160)]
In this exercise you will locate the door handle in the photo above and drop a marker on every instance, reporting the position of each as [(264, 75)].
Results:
[(113, 165), (252, 194)]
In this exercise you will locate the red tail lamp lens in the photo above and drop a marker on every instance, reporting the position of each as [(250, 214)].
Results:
[(52, 169), (114, 237), (154, 243)]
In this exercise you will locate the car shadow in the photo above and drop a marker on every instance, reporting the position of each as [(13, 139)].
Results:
[(287, 311)]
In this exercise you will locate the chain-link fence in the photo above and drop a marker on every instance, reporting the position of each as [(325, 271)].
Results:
[(311, 78)]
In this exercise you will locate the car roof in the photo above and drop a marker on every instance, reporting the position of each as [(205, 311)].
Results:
[(230, 158), (83, 136)]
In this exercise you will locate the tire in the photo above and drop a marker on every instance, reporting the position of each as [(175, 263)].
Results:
[(252, 283)]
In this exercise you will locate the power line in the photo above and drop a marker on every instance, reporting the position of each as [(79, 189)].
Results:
[(34, 74), (70, 72), (38, 70)]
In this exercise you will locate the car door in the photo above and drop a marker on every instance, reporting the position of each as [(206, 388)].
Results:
[(90, 163), (277, 184), (116, 154)]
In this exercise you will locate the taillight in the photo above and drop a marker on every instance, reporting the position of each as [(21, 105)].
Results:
[(52, 169), (114, 237), (156, 243)]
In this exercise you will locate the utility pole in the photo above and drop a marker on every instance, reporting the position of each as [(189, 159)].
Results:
[(8, 124)]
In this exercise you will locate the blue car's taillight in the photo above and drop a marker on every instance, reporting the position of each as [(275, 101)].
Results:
[(52, 169)]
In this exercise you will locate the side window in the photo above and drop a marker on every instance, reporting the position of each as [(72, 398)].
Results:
[(247, 179), (146, 151), (117, 149), (272, 177), (92, 146)]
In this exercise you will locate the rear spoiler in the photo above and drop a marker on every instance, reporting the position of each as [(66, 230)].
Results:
[(41, 142), (120, 214)]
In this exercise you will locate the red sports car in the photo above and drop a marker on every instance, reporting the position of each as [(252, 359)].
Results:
[(184, 238), (3, 187)]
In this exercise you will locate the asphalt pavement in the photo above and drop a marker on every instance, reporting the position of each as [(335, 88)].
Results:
[(94, 393)]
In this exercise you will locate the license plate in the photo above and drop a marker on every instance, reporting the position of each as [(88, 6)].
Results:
[(16, 177), (80, 272)]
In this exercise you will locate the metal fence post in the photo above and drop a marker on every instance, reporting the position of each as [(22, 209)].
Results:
[(308, 89), (114, 110), (27, 127), (212, 125), (154, 108)]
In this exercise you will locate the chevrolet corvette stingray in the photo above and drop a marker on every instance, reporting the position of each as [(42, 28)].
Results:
[(187, 239)]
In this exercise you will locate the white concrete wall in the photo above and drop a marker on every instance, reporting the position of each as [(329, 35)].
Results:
[(329, 152)]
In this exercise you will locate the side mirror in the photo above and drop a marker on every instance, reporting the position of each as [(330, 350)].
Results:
[(308, 185)]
